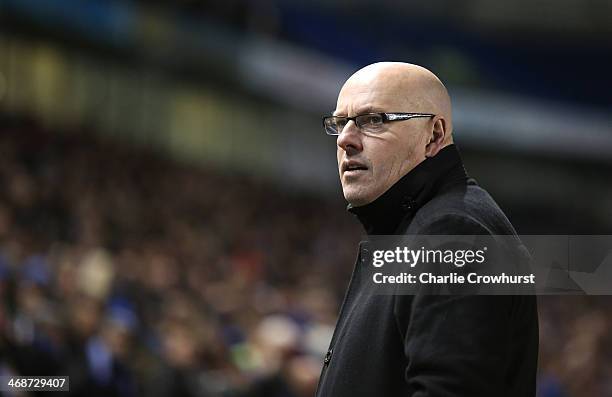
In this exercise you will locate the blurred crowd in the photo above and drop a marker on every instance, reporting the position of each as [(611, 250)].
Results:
[(136, 275)]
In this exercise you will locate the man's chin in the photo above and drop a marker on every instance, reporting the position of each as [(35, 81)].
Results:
[(357, 199)]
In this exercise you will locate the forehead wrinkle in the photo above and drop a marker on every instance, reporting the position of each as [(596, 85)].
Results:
[(371, 102)]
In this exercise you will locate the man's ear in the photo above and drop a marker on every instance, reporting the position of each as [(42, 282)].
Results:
[(436, 138)]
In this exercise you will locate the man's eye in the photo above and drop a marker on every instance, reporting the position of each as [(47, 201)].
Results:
[(341, 122), (371, 120)]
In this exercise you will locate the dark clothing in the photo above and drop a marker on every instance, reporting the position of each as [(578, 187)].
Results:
[(432, 345)]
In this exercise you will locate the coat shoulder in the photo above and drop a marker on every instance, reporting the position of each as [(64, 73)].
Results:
[(468, 209)]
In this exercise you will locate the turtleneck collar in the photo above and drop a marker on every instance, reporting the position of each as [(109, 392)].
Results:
[(411, 192)]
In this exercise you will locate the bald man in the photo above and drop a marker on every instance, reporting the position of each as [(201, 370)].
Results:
[(402, 175)]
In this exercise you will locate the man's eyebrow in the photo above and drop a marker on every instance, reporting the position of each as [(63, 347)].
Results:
[(369, 109), (364, 110)]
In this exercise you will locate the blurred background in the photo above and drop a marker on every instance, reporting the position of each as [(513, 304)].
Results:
[(171, 223)]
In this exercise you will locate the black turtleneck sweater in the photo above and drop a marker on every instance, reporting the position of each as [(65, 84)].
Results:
[(432, 345)]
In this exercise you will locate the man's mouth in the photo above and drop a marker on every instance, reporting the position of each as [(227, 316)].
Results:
[(353, 167)]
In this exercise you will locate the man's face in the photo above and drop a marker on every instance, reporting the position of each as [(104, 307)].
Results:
[(369, 164)]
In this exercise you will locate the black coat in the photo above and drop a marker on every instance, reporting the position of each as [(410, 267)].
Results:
[(432, 345)]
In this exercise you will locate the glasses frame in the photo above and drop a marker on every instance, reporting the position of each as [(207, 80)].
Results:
[(386, 117)]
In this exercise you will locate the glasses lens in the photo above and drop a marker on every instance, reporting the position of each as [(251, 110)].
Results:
[(370, 122), (333, 125)]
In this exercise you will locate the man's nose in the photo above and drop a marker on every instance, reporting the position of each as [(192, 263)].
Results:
[(350, 138)]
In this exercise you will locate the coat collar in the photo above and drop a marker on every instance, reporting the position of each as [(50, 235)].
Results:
[(411, 192)]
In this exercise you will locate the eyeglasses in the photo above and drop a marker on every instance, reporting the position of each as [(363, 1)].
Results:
[(369, 122)]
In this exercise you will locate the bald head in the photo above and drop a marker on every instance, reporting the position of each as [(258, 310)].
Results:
[(412, 86), (369, 162)]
